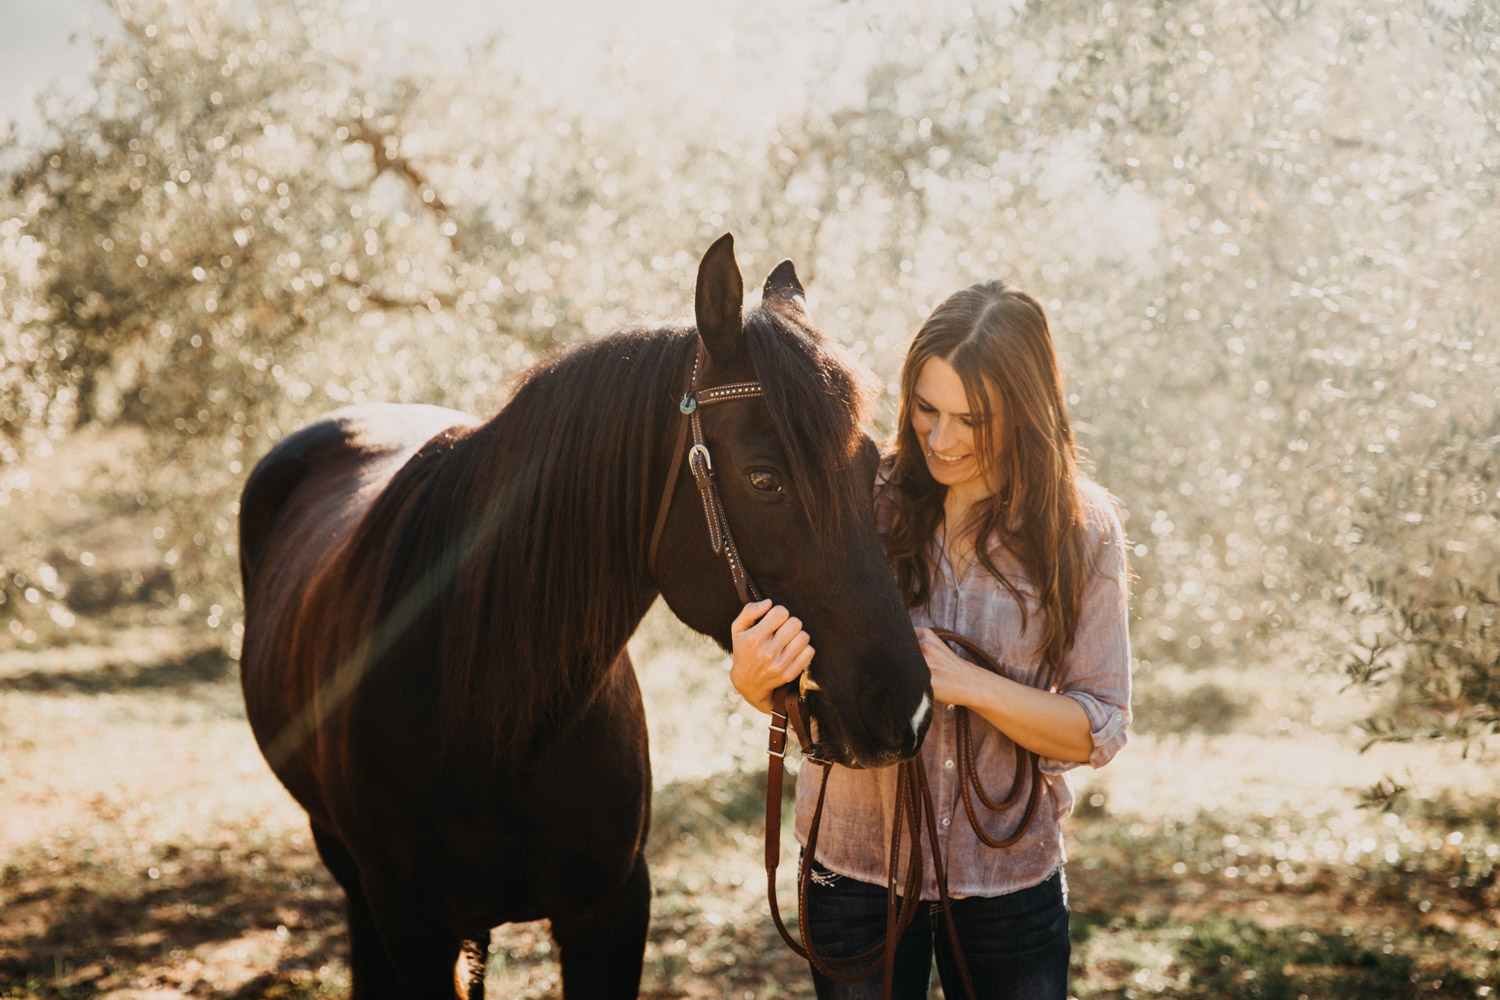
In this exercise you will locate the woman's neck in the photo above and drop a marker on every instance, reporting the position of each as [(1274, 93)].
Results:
[(958, 523), (959, 500), (958, 529)]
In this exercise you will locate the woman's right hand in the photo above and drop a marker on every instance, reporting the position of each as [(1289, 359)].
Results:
[(770, 649)]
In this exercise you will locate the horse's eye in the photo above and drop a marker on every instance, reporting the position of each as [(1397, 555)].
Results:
[(765, 482)]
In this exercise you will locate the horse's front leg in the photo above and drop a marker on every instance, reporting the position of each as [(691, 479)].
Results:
[(601, 950), (423, 953), (373, 977)]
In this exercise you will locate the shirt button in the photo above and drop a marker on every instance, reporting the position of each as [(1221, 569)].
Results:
[(946, 821), (948, 764)]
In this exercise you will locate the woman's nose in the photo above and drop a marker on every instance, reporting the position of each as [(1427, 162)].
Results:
[(941, 436)]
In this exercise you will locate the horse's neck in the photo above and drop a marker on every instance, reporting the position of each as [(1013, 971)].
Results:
[(531, 525)]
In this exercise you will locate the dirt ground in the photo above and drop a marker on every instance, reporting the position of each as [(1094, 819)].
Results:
[(148, 852)]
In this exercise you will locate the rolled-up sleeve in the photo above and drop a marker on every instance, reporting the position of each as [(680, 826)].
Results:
[(1096, 669)]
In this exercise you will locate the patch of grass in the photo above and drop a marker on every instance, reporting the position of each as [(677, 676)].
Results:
[(1242, 957), (1235, 959)]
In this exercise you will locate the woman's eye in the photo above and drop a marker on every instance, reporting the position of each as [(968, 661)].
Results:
[(765, 482)]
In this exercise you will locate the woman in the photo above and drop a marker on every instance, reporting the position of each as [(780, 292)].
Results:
[(994, 533)]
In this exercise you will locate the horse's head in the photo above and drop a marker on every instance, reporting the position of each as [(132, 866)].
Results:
[(796, 475)]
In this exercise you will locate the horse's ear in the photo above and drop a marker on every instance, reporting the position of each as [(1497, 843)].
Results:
[(783, 290), (719, 300)]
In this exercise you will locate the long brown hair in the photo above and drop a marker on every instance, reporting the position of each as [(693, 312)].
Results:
[(997, 340)]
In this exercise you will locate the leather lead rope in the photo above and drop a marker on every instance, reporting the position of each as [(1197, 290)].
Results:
[(914, 809)]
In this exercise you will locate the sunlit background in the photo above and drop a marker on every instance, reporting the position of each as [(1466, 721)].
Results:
[(1267, 237)]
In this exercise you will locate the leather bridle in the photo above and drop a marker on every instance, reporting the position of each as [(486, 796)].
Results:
[(914, 806), (701, 463)]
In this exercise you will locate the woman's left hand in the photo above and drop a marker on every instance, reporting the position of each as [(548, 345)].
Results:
[(955, 680), (1044, 722)]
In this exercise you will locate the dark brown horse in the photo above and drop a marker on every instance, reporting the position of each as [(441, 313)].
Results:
[(436, 612)]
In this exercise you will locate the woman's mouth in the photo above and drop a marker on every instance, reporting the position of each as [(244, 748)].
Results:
[(942, 459)]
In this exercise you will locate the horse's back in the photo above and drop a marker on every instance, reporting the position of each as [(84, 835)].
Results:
[(347, 454)]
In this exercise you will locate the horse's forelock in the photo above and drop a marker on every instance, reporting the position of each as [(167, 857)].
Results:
[(818, 399)]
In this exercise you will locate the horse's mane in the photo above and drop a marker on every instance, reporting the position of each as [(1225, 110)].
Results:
[(524, 540)]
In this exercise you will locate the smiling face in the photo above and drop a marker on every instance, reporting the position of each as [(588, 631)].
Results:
[(944, 426)]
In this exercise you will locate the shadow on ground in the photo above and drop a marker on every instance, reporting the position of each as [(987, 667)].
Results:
[(210, 923), (204, 666)]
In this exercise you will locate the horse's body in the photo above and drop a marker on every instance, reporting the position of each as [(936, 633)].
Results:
[(436, 615)]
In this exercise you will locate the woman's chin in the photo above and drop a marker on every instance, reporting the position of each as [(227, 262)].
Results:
[(950, 475)]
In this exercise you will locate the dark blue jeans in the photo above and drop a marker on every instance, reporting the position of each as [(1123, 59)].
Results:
[(1016, 946)]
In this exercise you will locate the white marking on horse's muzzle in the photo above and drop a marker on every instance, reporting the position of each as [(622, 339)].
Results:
[(920, 715)]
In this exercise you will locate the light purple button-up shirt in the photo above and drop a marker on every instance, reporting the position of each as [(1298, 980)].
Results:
[(854, 839)]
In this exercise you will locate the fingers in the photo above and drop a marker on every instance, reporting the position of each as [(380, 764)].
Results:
[(748, 616), (788, 630), (793, 649), (773, 621), (783, 646), (801, 663), (792, 643), (758, 620), (770, 645), (770, 648), (773, 631), (936, 652), (794, 656)]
